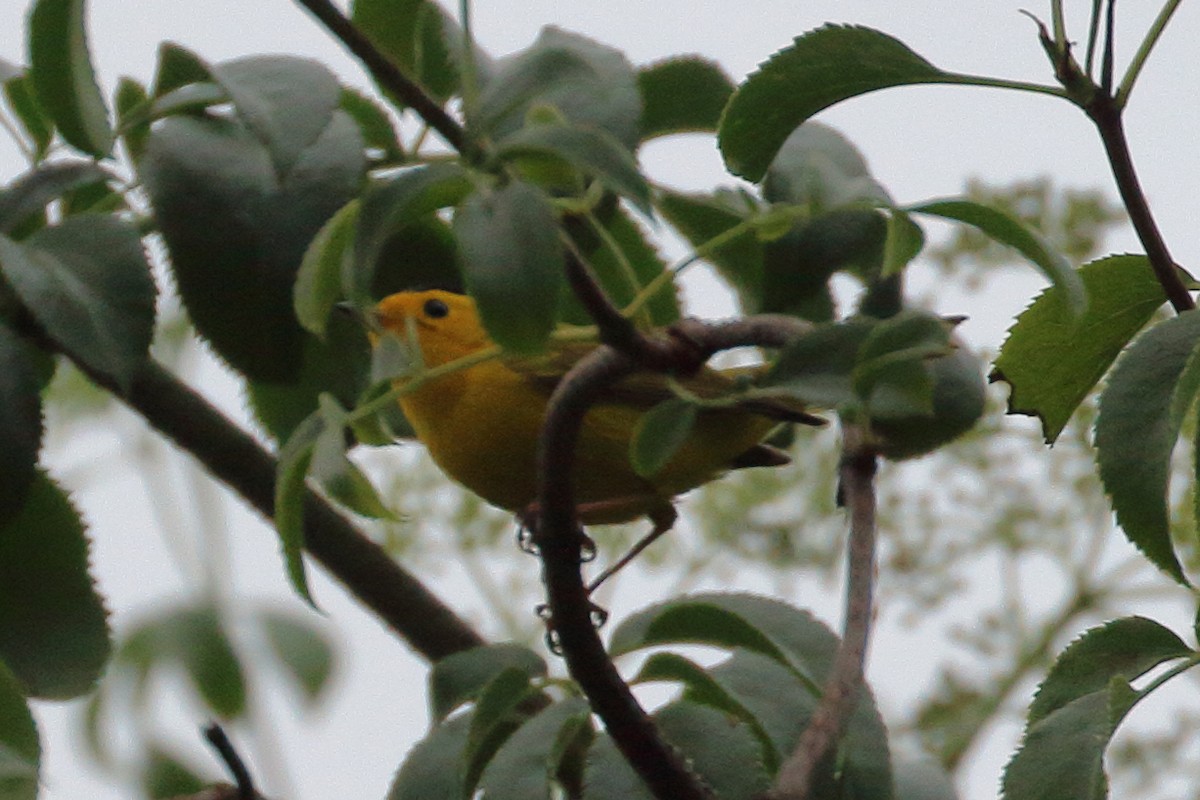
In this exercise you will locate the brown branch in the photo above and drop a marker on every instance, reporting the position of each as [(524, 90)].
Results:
[(844, 684), (242, 780), (399, 600), (387, 73), (1105, 113), (615, 329), (558, 537), (559, 541)]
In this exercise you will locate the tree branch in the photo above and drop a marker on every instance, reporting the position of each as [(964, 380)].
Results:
[(387, 73), (1105, 113), (844, 685), (399, 600), (558, 537), (559, 540)]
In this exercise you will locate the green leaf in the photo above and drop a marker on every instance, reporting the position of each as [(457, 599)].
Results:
[(788, 635), (702, 687), (288, 103), (782, 703), (659, 434), (460, 677), (433, 769), (513, 263), (291, 489), (237, 229), (53, 625), (1127, 648), (682, 94), (20, 420), (1053, 358), (62, 73), (319, 280), (194, 638), (590, 84), (1135, 435), (178, 67), (19, 92), (797, 267), (723, 752), (1062, 755), (819, 69), (417, 36), (592, 151), (301, 650), (817, 367), (904, 242), (624, 261), (497, 716), (336, 365), (820, 168), (341, 479), (893, 374), (701, 218), (88, 284), (33, 191), (527, 765), (1010, 231), (376, 127), (164, 775), (391, 212), (20, 750), (133, 123)]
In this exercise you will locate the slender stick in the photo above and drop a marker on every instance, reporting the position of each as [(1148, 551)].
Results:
[(216, 736), (387, 73), (1107, 116), (660, 765), (559, 542), (845, 682)]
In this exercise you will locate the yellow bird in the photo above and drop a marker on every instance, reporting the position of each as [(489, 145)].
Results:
[(481, 424)]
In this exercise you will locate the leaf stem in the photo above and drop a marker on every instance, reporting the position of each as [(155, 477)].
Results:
[(1143, 52), (1004, 83), (1093, 37)]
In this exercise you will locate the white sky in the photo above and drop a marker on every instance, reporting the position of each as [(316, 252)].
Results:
[(921, 143)]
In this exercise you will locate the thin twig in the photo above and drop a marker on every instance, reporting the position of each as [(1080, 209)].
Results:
[(215, 735), (659, 765), (558, 537), (387, 73), (1106, 114), (845, 682), (615, 329)]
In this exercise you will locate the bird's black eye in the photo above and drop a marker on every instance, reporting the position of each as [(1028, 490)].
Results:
[(436, 309)]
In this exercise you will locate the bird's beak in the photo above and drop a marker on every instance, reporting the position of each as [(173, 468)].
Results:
[(368, 316)]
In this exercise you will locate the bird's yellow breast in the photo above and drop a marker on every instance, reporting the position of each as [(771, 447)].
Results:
[(481, 423)]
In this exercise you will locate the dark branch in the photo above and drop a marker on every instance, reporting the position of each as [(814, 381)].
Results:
[(615, 330), (845, 682), (387, 73), (1105, 113), (215, 735), (400, 600), (558, 537)]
